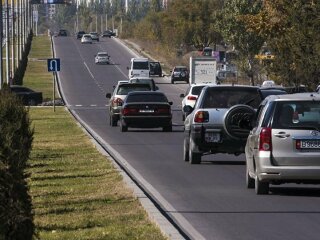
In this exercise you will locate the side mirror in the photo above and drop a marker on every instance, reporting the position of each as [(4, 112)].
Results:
[(156, 88), (182, 95), (108, 95), (187, 109), (127, 68)]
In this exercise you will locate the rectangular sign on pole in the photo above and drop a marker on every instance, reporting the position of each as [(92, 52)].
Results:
[(53, 64)]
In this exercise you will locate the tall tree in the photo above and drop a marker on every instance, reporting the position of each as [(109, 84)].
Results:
[(234, 31)]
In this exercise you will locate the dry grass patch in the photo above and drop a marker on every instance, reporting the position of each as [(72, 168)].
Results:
[(76, 192)]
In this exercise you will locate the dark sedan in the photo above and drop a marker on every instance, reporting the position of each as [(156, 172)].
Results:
[(27, 95), (146, 110)]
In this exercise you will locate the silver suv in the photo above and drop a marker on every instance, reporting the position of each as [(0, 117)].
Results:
[(214, 124), (284, 143)]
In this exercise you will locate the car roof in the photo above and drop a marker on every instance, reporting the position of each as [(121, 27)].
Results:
[(102, 53), (295, 97), (142, 78)]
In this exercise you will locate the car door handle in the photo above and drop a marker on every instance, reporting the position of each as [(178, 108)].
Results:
[(282, 135)]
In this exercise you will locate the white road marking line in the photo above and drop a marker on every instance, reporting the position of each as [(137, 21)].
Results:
[(88, 69)]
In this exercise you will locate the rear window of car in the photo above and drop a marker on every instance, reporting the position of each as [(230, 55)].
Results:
[(181, 70), (102, 55), (196, 90), (297, 115), (267, 92), (124, 90), (140, 65), (220, 97), (147, 98)]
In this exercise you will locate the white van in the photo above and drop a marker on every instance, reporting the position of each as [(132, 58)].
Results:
[(139, 67)]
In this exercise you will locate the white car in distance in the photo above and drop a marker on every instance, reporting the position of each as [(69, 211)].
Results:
[(86, 38), (102, 58)]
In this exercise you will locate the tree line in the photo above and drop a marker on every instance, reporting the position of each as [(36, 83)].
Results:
[(288, 29)]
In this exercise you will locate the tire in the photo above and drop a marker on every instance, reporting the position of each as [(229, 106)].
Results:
[(183, 117), (172, 81), (194, 158), (167, 128), (182, 75), (250, 182), (261, 188), (113, 121), (236, 115), (186, 150), (123, 127)]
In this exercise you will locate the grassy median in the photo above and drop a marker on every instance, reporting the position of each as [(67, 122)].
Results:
[(76, 191)]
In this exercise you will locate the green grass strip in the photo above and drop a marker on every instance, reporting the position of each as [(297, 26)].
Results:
[(76, 191)]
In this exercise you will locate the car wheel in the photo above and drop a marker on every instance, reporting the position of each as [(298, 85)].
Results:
[(249, 180), (123, 127), (167, 128), (183, 117), (186, 150), (182, 75), (234, 117), (172, 81), (261, 188), (113, 121), (194, 158)]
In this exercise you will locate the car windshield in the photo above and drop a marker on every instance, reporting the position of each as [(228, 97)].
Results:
[(147, 98), (125, 89), (297, 115), (196, 90), (220, 97), (141, 65)]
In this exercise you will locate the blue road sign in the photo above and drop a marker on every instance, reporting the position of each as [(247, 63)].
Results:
[(53, 64)]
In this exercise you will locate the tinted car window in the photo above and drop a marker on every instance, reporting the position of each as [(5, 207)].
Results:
[(267, 92), (196, 90), (146, 98), (227, 97), (140, 65), (297, 114), (124, 90)]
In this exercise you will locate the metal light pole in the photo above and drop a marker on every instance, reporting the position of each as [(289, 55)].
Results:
[(7, 45), (1, 40), (13, 29)]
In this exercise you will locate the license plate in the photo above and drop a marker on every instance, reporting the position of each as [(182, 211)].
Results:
[(310, 144), (212, 137), (146, 111)]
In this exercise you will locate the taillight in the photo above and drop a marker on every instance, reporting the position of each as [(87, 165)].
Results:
[(163, 110), (298, 144), (192, 98), (117, 102), (265, 140), (201, 117), (129, 111)]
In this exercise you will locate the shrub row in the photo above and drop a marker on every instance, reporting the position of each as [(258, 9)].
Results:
[(16, 135)]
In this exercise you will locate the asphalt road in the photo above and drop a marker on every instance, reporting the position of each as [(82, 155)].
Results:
[(211, 197)]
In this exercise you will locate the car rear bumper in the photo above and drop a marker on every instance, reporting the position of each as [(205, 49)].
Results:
[(147, 121)]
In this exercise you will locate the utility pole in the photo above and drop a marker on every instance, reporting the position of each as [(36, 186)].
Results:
[(13, 29), (7, 45), (1, 41)]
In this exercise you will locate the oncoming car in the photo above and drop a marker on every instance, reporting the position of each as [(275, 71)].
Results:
[(284, 142), (102, 58)]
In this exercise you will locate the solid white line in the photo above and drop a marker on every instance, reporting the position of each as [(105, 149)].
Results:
[(88, 69)]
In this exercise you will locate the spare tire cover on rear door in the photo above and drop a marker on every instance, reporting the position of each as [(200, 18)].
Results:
[(232, 120)]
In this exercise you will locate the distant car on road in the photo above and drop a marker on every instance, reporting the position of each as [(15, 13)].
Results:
[(155, 69), (108, 33), (118, 95), (190, 97), (86, 38), (145, 80), (102, 58), (62, 32), (27, 95), (284, 142), (146, 110), (80, 34), (180, 73), (94, 36)]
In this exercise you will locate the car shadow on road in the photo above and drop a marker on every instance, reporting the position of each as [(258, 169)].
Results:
[(296, 191), (221, 162)]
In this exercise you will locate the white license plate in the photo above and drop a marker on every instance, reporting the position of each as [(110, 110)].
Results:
[(310, 144), (146, 111), (212, 137)]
